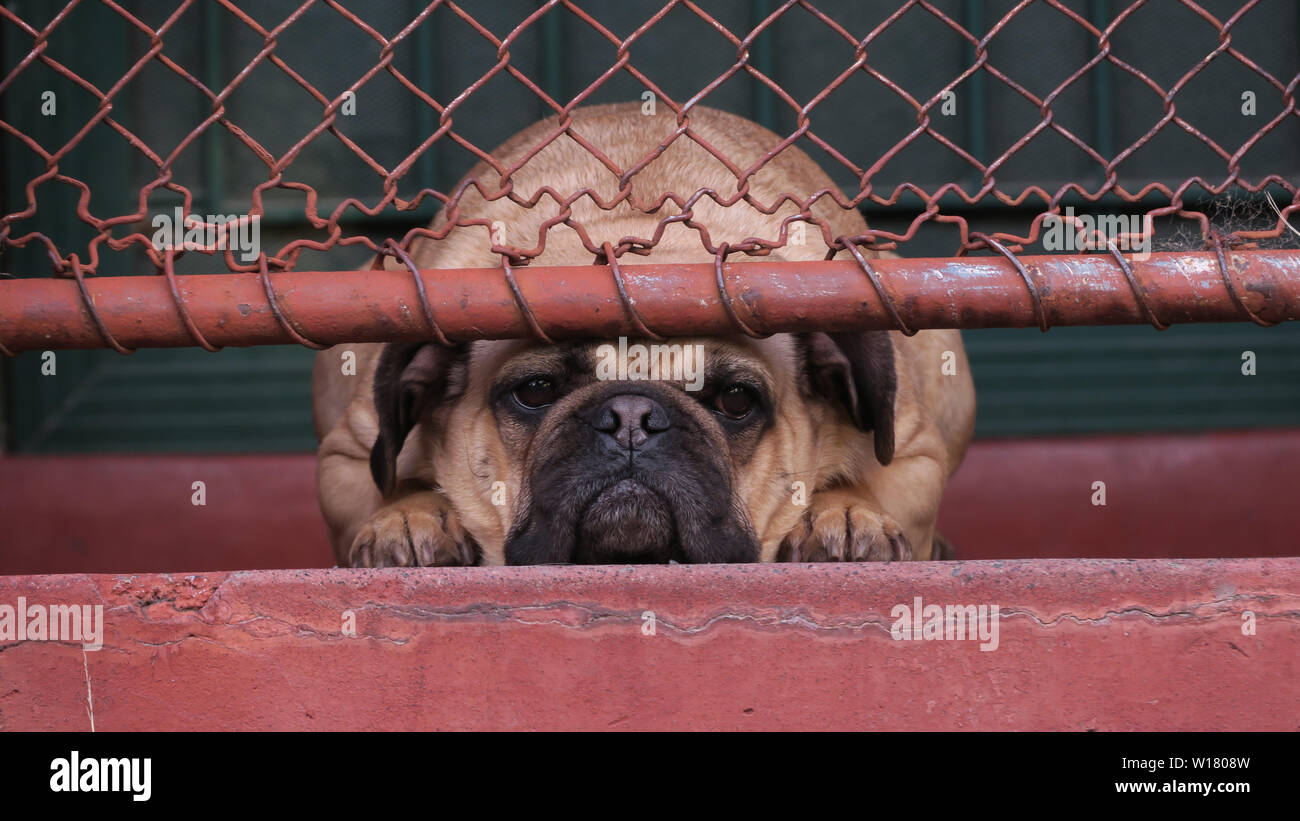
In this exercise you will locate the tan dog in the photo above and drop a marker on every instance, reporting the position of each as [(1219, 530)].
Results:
[(800, 447)]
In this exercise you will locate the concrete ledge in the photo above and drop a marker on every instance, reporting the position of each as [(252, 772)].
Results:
[(1082, 644)]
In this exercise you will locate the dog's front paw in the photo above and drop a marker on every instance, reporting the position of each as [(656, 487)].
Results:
[(839, 526), (419, 530)]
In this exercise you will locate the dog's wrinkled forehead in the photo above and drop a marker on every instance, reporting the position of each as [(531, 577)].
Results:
[(773, 360)]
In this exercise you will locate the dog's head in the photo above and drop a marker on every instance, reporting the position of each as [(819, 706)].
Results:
[(693, 450)]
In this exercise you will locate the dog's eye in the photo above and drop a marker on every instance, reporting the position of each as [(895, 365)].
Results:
[(537, 392), (735, 402)]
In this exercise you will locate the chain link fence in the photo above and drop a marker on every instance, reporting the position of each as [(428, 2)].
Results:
[(1050, 118)]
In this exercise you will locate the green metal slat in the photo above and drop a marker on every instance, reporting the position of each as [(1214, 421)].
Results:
[(426, 47), (214, 74), (1103, 138), (763, 58), (1028, 395), (186, 423), (977, 142), (38, 402), (553, 80), (1195, 199), (294, 217)]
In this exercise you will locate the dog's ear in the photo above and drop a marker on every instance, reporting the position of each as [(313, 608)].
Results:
[(857, 370), (409, 378)]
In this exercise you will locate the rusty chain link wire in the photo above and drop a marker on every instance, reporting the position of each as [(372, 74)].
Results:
[(118, 232)]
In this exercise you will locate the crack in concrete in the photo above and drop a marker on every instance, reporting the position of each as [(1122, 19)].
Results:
[(60, 642), (1191, 613), (90, 699), (594, 615), (181, 640), (589, 616)]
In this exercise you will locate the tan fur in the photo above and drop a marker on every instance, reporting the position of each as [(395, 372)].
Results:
[(848, 488)]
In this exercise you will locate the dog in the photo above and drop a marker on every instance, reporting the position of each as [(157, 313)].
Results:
[(795, 447)]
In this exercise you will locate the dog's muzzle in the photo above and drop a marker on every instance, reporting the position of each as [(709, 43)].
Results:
[(628, 521), (630, 475)]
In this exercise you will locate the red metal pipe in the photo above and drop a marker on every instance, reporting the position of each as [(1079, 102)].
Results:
[(671, 298)]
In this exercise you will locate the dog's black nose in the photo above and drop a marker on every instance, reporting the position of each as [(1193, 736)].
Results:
[(631, 419)]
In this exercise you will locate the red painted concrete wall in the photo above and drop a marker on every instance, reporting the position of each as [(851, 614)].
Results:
[(1225, 494), (1105, 645), (1168, 496), (133, 514)]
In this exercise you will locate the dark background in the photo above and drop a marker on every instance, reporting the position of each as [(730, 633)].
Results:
[(1071, 380)]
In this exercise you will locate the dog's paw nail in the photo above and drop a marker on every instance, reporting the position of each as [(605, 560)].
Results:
[(840, 530), (406, 534)]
